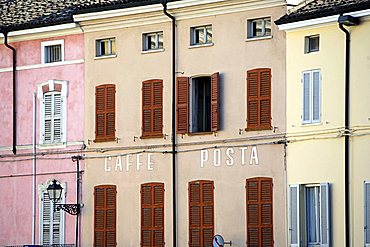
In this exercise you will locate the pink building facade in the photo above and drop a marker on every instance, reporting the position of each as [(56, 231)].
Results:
[(50, 72)]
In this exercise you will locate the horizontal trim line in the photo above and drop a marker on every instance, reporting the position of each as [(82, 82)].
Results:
[(45, 65), (30, 146), (41, 30)]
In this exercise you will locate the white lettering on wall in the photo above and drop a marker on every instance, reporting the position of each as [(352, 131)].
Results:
[(106, 159), (243, 155), (230, 154), (150, 163), (230, 159), (128, 162), (203, 157), (118, 164), (217, 157), (133, 162), (138, 162), (254, 156)]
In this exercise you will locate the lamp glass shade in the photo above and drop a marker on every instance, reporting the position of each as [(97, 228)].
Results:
[(54, 191)]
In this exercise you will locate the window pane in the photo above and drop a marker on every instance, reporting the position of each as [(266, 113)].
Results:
[(257, 28), (209, 34), (160, 40), (199, 36), (313, 43), (312, 216), (113, 46), (268, 27)]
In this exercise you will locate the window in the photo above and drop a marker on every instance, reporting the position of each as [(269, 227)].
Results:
[(309, 215), (52, 51), (152, 41), (259, 212), (198, 106), (152, 112), (105, 110), (51, 222), (259, 27), (201, 35), (367, 213), (312, 43), (105, 216), (201, 213), (311, 97), (152, 215), (259, 99), (53, 100), (105, 47)]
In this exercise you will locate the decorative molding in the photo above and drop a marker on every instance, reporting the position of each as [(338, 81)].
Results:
[(46, 65), (40, 146)]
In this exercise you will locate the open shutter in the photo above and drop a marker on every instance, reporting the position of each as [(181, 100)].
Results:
[(294, 216), (182, 105), (325, 214), (215, 102), (152, 111), (367, 213), (105, 112)]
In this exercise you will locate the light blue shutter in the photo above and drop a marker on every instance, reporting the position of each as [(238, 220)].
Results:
[(367, 214), (294, 223), (324, 215), (316, 97), (306, 115)]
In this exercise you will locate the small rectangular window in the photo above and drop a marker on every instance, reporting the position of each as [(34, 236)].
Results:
[(201, 35), (312, 43), (259, 27), (105, 47), (52, 51), (152, 41)]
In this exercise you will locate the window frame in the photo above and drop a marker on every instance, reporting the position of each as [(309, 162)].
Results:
[(311, 110), (112, 48), (250, 28), (45, 44), (206, 42), (307, 42), (156, 35)]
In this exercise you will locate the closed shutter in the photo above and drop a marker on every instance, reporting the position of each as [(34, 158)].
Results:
[(182, 105), (105, 216), (201, 213), (294, 216), (306, 98), (259, 99), (215, 102), (152, 215), (316, 96), (105, 112), (259, 197), (52, 118), (152, 109), (51, 222), (367, 213), (324, 215)]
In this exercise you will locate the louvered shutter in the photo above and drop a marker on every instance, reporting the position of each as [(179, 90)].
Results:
[(306, 97), (324, 215), (182, 105), (294, 216), (201, 213), (367, 213), (316, 98), (259, 212), (215, 102), (152, 109), (105, 216), (57, 118), (259, 99), (152, 215), (105, 104), (46, 219), (48, 106)]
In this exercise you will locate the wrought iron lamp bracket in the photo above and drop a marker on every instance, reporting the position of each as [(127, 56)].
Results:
[(73, 209)]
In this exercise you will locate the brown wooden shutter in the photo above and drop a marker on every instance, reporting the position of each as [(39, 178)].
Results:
[(105, 216), (152, 114), (215, 102), (105, 109), (182, 105), (152, 215), (259, 99), (259, 212), (201, 213)]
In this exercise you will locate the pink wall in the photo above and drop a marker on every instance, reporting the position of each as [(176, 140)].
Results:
[(16, 191)]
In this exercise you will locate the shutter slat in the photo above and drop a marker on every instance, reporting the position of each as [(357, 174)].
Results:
[(105, 110), (182, 104), (152, 111), (215, 103)]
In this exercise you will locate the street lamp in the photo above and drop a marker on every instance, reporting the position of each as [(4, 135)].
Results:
[(54, 193)]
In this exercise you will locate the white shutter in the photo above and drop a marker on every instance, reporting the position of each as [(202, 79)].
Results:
[(46, 217), (47, 117), (57, 118), (316, 96), (294, 216), (324, 215), (50, 222), (306, 114), (367, 214)]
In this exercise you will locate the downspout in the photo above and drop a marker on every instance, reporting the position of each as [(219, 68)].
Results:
[(5, 33), (174, 226), (34, 171)]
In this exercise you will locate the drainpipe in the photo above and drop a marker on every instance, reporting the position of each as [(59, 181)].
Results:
[(5, 33), (348, 21), (164, 3)]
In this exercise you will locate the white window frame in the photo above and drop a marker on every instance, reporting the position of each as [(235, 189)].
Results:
[(311, 119), (193, 35), (307, 43), (156, 35), (42, 189), (250, 28), (98, 52), (40, 96), (51, 43)]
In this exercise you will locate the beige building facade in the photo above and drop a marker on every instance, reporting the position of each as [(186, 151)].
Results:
[(229, 175)]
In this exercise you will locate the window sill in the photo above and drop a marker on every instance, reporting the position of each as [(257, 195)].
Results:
[(200, 45), (311, 124), (104, 57), (258, 129), (111, 139), (200, 133), (151, 136), (152, 51), (52, 145), (258, 38), (54, 63)]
